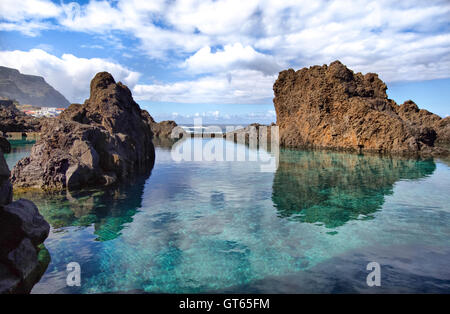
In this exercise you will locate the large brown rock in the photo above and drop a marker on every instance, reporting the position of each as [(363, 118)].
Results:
[(333, 107), (104, 140)]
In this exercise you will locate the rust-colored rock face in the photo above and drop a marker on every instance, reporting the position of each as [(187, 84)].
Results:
[(333, 107), (105, 140)]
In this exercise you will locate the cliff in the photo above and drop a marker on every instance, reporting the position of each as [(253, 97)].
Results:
[(333, 107), (29, 89)]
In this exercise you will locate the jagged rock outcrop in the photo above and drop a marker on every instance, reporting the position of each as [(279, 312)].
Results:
[(333, 107), (104, 140), (166, 133), (29, 89), (163, 129), (442, 128), (13, 120), (255, 130), (23, 258), (421, 119)]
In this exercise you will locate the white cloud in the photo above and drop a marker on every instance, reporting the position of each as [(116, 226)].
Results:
[(211, 17), (68, 74), (237, 86), (137, 18), (27, 16), (13, 10), (234, 56), (400, 40), (30, 28)]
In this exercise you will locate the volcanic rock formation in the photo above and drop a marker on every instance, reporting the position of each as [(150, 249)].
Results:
[(104, 140), (333, 107), (13, 120), (23, 259), (164, 129)]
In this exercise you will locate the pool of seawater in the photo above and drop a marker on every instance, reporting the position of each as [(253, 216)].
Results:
[(310, 225)]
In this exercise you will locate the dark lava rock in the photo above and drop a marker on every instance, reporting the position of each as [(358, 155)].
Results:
[(164, 129), (22, 230), (5, 184), (104, 140), (13, 120), (333, 107)]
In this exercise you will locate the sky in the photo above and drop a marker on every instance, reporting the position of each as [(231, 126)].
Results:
[(218, 59)]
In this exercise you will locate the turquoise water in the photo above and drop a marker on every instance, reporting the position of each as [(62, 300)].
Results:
[(312, 225), (19, 149)]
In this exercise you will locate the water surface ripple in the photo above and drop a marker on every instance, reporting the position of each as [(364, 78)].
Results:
[(311, 226)]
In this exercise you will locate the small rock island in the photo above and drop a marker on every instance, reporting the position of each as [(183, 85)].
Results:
[(332, 107)]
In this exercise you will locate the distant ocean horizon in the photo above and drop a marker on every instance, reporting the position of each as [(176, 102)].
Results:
[(191, 128)]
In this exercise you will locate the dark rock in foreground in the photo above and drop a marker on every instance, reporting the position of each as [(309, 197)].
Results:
[(104, 140), (13, 120), (23, 259), (5, 184), (332, 107)]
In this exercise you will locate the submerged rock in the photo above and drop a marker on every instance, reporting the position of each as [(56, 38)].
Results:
[(22, 230), (333, 107), (104, 140)]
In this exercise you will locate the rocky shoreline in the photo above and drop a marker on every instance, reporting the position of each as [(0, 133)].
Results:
[(13, 120), (109, 139), (23, 257)]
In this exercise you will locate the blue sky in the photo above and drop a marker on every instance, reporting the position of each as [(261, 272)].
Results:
[(219, 59)]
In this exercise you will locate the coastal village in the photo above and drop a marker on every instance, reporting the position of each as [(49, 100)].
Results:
[(39, 112)]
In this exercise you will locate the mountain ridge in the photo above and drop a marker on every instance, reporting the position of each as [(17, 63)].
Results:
[(29, 89)]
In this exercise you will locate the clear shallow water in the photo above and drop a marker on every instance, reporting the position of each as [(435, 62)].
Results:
[(311, 226), (19, 149)]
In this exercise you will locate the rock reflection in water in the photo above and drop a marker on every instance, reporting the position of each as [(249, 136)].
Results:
[(107, 209), (332, 188)]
